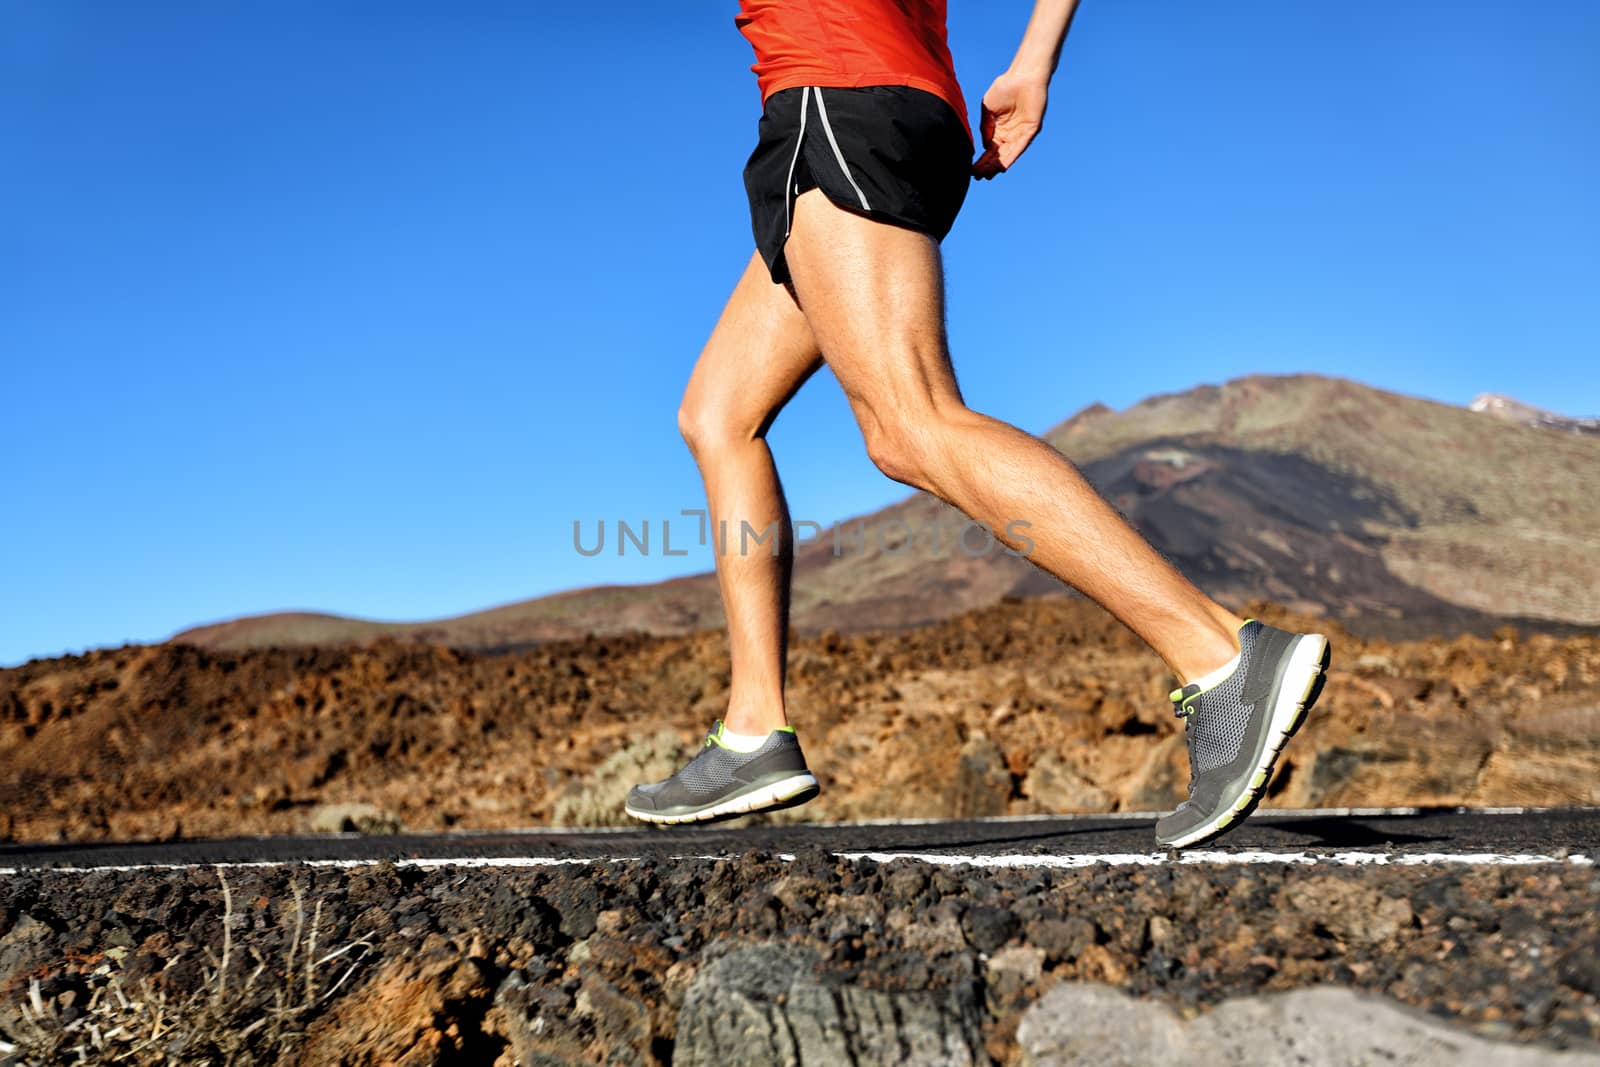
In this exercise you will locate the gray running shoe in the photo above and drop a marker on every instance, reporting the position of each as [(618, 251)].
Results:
[(1237, 728), (720, 783)]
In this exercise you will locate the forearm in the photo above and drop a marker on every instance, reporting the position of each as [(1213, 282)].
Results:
[(1040, 49)]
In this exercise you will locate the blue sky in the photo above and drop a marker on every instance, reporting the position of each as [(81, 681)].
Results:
[(357, 307)]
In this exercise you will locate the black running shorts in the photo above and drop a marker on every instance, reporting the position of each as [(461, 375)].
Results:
[(889, 152)]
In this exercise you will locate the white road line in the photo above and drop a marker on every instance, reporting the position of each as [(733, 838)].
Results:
[(1006, 860), (1201, 856), (455, 861)]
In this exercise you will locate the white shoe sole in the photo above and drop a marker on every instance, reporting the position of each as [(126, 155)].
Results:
[(1299, 680), (767, 796)]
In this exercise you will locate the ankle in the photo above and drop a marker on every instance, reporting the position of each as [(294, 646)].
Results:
[(754, 723), (1213, 646)]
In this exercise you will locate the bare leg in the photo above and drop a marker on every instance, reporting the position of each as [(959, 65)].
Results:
[(873, 295), (760, 353)]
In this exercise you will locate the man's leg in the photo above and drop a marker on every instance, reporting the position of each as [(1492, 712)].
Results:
[(760, 353), (873, 295)]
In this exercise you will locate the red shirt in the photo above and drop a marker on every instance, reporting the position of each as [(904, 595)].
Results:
[(847, 44)]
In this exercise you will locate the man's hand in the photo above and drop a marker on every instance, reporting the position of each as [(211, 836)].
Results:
[(1013, 108), (1013, 113)]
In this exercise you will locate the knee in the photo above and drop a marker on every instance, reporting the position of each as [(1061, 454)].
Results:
[(696, 426), (901, 449), (911, 443), (708, 427), (691, 425)]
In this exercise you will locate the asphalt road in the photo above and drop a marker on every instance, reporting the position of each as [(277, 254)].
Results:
[(1401, 835)]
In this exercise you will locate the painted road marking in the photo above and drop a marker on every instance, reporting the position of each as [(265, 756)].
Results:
[(1017, 860), (1200, 856)]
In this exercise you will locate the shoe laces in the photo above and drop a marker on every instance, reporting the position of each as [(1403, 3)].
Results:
[(1186, 713)]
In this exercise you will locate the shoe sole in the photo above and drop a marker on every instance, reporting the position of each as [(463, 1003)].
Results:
[(1303, 678), (785, 793)]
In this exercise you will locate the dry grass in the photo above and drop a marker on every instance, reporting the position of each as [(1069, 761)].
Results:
[(250, 1009)]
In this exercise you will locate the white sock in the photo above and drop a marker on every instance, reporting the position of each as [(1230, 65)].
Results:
[(1206, 681), (741, 742)]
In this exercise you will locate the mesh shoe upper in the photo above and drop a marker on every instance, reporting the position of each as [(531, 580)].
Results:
[(1218, 719)]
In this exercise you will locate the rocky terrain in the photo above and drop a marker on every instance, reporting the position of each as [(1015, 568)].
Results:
[(753, 960), (1395, 515), (1028, 706)]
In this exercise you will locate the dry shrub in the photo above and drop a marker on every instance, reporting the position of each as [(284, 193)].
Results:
[(232, 1018), (597, 798)]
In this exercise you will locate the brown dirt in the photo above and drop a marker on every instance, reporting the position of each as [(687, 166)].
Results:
[(1033, 706)]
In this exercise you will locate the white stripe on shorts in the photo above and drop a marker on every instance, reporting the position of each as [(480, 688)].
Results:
[(800, 139), (822, 113)]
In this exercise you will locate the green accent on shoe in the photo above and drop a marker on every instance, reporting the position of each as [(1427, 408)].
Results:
[(1185, 695), (716, 737)]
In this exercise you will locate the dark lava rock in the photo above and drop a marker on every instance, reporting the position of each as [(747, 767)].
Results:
[(825, 960), (905, 883), (767, 1005), (988, 927), (576, 904), (1580, 967), (1063, 940)]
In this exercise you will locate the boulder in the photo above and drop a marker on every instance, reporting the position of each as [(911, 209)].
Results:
[(767, 1006)]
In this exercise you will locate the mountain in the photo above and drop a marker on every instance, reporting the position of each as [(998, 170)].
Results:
[(1390, 513), (1504, 407)]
